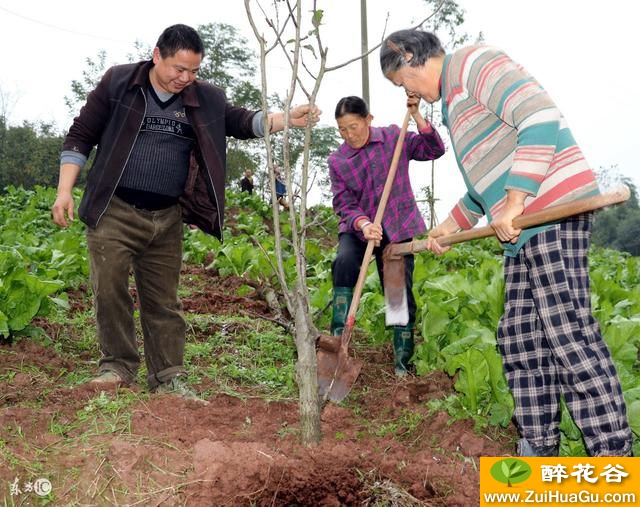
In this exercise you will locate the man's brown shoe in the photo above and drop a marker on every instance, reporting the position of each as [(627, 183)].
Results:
[(108, 377), (177, 386)]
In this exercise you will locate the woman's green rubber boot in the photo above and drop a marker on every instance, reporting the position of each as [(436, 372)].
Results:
[(403, 347), (341, 302)]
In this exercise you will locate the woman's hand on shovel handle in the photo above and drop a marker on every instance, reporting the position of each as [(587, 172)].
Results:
[(371, 231), (502, 223), (447, 227), (413, 104)]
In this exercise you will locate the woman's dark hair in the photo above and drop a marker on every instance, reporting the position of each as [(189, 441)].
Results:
[(408, 47), (178, 37), (352, 105)]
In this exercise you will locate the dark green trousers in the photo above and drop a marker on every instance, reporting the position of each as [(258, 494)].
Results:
[(150, 244)]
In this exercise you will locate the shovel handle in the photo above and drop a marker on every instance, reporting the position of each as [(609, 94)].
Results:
[(357, 291), (522, 222)]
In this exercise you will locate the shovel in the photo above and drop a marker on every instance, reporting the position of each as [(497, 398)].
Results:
[(337, 371), (396, 309)]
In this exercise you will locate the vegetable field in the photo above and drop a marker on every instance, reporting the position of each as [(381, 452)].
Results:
[(236, 349)]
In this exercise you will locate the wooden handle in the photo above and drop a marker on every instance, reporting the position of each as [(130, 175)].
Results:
[(357, 291), (522, 222)]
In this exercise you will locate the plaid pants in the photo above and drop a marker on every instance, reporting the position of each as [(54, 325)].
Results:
[(551, 344)]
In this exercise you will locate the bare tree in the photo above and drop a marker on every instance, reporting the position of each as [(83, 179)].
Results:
[(298, 40)]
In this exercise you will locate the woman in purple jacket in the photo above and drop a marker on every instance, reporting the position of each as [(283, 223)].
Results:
[(358, 170)]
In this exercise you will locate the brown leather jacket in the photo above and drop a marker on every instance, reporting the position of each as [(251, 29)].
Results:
[(111, 119)]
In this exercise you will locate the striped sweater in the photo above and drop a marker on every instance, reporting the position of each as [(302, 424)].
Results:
[(507, 133)]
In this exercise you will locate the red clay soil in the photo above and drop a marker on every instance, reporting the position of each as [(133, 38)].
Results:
[(239, 452), (221, 296), (231, 451)]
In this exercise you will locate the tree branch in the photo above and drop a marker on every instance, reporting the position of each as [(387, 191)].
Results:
[(279, 42), (355, 59), (282, 279)]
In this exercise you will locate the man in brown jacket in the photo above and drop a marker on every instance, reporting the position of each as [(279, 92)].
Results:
[(161, 137)]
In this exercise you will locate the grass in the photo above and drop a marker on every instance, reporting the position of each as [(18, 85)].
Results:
[(108, 413), (78, 333), (237, 354), (241, 354), (105, 414), (403, 426), (453, 406), (192, 283), (11, 457), (96, 419)]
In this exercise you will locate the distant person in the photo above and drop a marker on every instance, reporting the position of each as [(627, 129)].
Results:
[(246, 183), (358, 170), (162, 139), (517, 155), (281, 189)]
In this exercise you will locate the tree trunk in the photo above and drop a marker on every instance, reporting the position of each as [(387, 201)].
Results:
[(307, 373)]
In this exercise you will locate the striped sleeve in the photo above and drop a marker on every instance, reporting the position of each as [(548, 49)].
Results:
[(506, 89), (467, 212)]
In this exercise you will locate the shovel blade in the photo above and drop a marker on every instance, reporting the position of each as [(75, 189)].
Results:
[(337, 371), (396, 304)]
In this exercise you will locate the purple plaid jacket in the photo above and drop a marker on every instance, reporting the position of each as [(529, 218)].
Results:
[(358, 178)]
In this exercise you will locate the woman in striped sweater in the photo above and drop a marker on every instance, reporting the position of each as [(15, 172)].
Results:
[(517, 155)]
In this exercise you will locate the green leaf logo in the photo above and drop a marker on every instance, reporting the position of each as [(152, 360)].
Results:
[(510, 471)]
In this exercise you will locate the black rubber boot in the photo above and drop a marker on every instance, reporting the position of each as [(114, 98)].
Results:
[(403, 347), (341, 302)]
